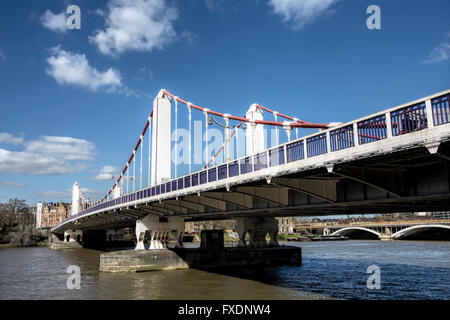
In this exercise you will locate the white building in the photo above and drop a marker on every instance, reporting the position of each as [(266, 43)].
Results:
[(39, 207)]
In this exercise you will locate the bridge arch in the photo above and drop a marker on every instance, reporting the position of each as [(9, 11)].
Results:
[(347, 230), (410, 231)]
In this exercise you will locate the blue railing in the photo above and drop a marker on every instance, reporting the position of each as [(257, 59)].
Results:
[(342, 138), (372, 129), (441, 110), (295, 151), (316, 145), (409, 119), (403, 121)]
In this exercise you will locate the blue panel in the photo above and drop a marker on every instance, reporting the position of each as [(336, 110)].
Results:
[(246, 165), (203, 178), (212, 175), (195, 179), (233, 169), (276, 156), (187, 181), (222, 171)]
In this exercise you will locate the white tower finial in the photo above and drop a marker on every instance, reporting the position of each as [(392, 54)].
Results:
[(75, 199)]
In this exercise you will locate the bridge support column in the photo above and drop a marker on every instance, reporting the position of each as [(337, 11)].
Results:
[(257, 229), (158, 230), (73, 236)]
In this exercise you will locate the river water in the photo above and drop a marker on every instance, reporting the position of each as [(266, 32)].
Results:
[(408, 270)]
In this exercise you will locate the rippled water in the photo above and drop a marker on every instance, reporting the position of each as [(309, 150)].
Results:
[(409, 270)]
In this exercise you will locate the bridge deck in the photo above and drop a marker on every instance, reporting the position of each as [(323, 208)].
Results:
[(394, 160)]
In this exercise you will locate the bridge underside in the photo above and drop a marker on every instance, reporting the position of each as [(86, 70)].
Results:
[(401, 181)]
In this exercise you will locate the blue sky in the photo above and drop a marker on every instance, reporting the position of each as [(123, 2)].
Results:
[(73, 102)]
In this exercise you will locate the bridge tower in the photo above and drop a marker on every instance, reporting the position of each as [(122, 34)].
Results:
[(75, 199), (255, 132), (161, 160)]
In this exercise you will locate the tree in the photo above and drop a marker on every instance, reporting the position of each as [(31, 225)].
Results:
[(17, 205)]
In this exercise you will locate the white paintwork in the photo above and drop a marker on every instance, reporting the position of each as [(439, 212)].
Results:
[(255, 132), (161, 166), (159, 231), (407, 231), (349, 229), (75, 199)]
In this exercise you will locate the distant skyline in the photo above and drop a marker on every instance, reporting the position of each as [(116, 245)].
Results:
[(73, 102)]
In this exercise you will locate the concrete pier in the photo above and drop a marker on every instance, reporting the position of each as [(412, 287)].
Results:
[(182, 258), (55, 243)]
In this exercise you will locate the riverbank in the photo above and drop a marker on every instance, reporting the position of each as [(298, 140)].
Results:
[(10, 245)]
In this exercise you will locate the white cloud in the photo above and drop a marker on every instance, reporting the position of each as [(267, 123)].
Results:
[(214, 5), (9, 138), (142, 25), (301, 12), (73, 69), (12, 184), (54, 22), (439, 53), (106, 173), (2, 55), (48, 155), (66, 148)]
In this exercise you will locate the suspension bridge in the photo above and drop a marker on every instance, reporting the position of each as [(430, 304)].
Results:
[(392, 161)]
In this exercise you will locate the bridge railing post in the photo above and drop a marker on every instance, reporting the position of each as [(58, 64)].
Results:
[(355, 134), (328, 141), (429, 112), (305, 149), (388, 125)]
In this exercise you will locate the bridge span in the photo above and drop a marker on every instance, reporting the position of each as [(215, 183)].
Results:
[(390, 231), (395, 160)]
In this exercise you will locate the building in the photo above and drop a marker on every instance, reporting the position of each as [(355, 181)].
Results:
[(286, 225), (52, 213), (39, 208)]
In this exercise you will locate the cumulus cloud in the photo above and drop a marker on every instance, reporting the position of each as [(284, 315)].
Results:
[(301, 12), (439, 53), (66, 148), (106, 173), (141, 25), (69, 68), (48, 155), (54, 22), (9, 138)]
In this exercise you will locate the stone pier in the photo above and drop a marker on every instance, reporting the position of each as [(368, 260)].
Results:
[(210, 254)]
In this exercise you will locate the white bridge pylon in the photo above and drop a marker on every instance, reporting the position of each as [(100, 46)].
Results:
[(161, 167), (162, 125)]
